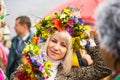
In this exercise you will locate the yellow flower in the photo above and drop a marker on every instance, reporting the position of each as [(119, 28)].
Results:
[(32, 75), (81, 27), (82, 36), (66, 11), (29, 69), (87, 27), (24, 60), (48, 65), (48, 18), (37, 25), (25, 50), (73, 40), (36, 50)]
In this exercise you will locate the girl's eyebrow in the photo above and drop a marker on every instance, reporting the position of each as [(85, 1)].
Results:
[(53, 38)]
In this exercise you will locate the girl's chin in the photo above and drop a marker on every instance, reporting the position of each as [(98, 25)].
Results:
[(53, 57)]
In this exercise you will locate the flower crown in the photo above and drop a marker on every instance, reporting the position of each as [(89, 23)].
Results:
[(64, 21)]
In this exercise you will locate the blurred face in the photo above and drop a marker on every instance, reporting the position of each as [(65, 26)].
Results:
[(18, 27), (57, 48)]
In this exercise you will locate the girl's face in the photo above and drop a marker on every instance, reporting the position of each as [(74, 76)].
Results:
[(57, 48)]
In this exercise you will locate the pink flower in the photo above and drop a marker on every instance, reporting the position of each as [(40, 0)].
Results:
[(71, 23), (46, 76), (41, 69), (53, 20)]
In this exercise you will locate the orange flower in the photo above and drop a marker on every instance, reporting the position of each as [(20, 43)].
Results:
[(36, 40), (57, 23), (26, 61), (58, 27)]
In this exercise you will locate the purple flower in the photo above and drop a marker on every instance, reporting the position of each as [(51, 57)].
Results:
[(40, 58), (39, 63), (88, 44), (43, 54), (80, 21), (41, 40), (49, 29), (40, 79), (75, 19), (36, 60), (70, 30), (33, 60)]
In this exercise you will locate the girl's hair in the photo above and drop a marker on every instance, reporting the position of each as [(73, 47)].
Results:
[(67, 60)]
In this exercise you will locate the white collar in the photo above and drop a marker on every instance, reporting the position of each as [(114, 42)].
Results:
[(54, 68), (55, 63), (24, 38)]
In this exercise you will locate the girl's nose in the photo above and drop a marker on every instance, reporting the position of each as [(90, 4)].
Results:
[(56, 46)]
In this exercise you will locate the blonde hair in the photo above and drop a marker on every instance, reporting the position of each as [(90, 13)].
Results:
[(67, 61)]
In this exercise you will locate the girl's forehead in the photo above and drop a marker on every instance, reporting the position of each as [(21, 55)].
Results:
[(60, 38)]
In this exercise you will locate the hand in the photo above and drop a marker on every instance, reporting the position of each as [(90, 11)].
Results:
[(88, 58)]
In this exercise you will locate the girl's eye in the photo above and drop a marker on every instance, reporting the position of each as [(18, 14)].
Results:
[(63, 44), (53, 40)]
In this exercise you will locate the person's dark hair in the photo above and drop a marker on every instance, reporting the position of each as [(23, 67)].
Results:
[(108, 25), (24, 20)]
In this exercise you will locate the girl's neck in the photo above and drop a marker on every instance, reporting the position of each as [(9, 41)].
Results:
[(55, 63)]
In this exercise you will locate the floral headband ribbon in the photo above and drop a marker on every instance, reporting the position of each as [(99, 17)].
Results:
[(64, 21)]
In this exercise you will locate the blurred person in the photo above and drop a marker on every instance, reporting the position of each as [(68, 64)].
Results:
[(108, 25), (2, 75), (3, 57), (24, 35), (7, 44)]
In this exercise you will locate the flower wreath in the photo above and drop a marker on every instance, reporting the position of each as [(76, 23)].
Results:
[(64, 21)]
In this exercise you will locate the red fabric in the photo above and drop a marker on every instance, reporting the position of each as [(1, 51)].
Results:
[(87, 8), (3, 57)]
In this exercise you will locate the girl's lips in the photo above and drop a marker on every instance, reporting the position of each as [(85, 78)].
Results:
[(53, 52)]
